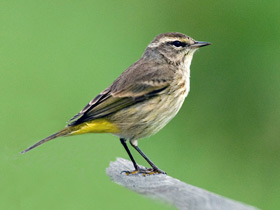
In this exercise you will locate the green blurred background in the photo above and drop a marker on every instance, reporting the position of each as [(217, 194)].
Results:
[(58, 55)]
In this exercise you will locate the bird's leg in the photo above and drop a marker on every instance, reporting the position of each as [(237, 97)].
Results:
[(123, 141), (155, 169)]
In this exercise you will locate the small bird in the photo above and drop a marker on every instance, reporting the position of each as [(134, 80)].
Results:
[(143, 99)]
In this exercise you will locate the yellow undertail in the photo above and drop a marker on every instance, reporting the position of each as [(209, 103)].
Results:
[(94, 126)]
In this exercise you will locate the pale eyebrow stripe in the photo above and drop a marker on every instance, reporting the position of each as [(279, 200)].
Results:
[(165, 39)]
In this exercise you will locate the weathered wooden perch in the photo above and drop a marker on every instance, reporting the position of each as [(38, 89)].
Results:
[(171, 190)]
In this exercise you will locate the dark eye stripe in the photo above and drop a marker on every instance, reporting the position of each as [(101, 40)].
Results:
[(178, 43)]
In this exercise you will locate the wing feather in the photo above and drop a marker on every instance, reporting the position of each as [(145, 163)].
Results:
[(94, 102), (111, 105), (129, 88)]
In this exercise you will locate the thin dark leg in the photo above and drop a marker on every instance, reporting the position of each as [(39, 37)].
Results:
[(123, 141), (155, 168)]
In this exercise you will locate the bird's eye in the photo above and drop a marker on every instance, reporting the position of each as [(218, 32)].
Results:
[(178, 43)]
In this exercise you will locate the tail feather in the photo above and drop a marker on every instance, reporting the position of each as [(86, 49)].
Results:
[(63, 132)]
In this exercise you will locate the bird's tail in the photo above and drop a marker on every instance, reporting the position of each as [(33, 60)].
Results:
[(64, 132), (94, 126)]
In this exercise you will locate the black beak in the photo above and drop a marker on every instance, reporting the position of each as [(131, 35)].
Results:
[(200, 44)]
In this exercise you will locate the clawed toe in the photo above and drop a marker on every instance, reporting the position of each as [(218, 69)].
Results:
[(144, 171)]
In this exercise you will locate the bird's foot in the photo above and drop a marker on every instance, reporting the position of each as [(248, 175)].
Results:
[(144, 171), (157, 171)]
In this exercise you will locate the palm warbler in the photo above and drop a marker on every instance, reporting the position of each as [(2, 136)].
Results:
[(143, 99)]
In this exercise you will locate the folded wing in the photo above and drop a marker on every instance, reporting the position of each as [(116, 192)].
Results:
[(136, 84)]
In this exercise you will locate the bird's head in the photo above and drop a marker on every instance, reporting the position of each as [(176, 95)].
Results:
[(174, 47)]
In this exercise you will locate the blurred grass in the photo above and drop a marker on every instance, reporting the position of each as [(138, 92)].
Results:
[(57, 55)]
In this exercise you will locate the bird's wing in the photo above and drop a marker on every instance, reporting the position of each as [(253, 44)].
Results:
[(126, 90), (103, 96), (108, 103)]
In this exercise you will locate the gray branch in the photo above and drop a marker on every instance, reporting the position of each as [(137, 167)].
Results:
[(170, 190)]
